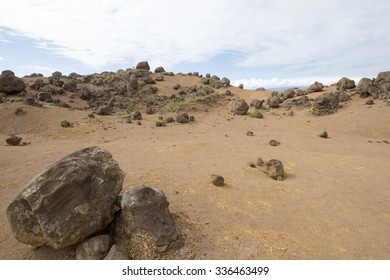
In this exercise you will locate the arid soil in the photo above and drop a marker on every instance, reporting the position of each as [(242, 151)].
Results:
[(333, 203)]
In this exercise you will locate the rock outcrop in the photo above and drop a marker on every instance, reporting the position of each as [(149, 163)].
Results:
[(345, 83), (69, 201)]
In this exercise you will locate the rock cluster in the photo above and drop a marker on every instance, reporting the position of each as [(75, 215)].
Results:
[(78, 197)]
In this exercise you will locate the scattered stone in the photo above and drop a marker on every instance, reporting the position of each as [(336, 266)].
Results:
[(30, 101), (274, 102), (249, 133), (324, 134), (225, 82), (104, 110), (274, 143), (138, 123), (19, 112), (257, 103), (136, 115), (143, 65), (345, 83), (159, 69), (56, 75), (159, 78), (241, 86), (316, 87), (274, 168), (217, 180), (256, 114), (149, 111), (385, 141), (69, 201), (13, 140), (117, 253), (192, 118), (10, 84), (239, 107), (325, 104), (66, 124), (370, 102), (176, 86), (169, 120), (182, 117), (95, 248), (252, 165), (145, 212)]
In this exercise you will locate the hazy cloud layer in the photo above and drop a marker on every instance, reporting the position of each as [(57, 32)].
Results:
[(303, 38)]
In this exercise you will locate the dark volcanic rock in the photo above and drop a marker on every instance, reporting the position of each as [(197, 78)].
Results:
[(316, 87), (274, 168), (13, 140), (182, 117), (217, 180), (9, 83), (239, 107), (144, 65), (325, 104), (146, 209), (69, 201), (345, 83)]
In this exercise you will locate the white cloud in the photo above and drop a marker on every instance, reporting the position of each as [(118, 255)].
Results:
[(276, 82), (300, 36), (1, 58)]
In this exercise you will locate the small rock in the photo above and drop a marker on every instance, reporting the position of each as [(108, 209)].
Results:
[(104, 110), (249, 133), (169, 120), (136, 115), (66, 124), (241, 86), (274, 168), (251, 164), (19, 112), (138, 123), (324, 134), (273, 142), (182, 117), (13, 140), (370, 102), (149, 111), (95, 248), (385, 141), (217, 180)]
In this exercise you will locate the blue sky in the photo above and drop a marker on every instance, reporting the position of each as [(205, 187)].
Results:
[(259, 43)]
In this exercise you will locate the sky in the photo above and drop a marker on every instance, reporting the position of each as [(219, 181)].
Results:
[(258, 43)]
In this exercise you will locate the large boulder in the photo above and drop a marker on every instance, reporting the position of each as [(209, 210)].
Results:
[(159, 69), (345, 83), (325, 104), (382, 83), (239, 107), (143, 65), (145, 212), (69, 201), (364, 87), (316, 87), (9, 83)]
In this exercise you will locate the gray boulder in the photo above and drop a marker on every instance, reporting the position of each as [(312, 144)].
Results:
[(11, 84), (217, 180), (382, 84), (274, 168), (239, 107), (345, 83), (95, 248), (316, 87), (104, 110), (225, 82), (159, 69), (69, 201), (326, 104), (145, 210), (274, 102), (136, 115), (364, 87), (143, 65), (182, 117)]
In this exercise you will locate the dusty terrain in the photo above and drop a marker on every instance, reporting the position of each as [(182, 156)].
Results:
[(333, 203)]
